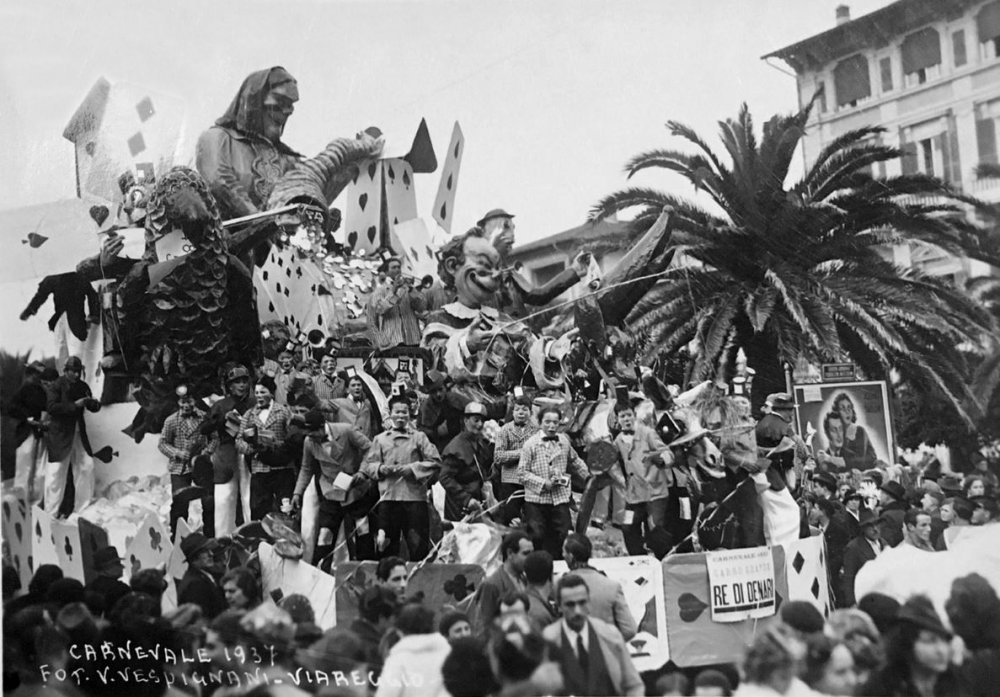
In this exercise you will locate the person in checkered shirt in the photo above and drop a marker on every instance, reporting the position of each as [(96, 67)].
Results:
[(546, 463), (262, 438)]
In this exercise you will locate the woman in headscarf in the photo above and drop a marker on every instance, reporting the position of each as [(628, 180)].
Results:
[(242, 156)]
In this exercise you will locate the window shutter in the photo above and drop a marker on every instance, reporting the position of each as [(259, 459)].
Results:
[(908, 159), (988, 22), (851, 80), (920, 50), (885, 66), (986, 138), (958, 44)]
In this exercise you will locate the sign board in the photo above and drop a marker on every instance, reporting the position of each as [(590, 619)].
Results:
[(839, 372), (741, 583)]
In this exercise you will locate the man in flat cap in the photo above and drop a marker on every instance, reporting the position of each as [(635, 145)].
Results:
[(516, 292), (466, 465)]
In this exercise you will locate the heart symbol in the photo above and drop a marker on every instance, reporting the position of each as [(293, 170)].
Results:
[(18, 531), (691, 607), (352, 239), (392, 174), (444, 211), (371, 234), (99, 214), (406, 179), (355, 179), (68, 548), (363, 201), (449, 182), (372, 168)]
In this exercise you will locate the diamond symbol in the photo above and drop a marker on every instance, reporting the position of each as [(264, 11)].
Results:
[(815, 588), (798, 562), (136, 144), (145, 109), (641, 581)]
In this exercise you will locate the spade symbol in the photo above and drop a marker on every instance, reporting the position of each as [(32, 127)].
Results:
[(99, 214), (35, 240), (352, 239), (444, 210), (371, 234), (105, 454), (392, 174), (298, 272), (372, 168), (68, 548), (691, 607), (19, 532), (270, 307), (136, 564), (38, 529), (406, 179), (155, 539), (448, 183), (363, 201), (355, 180)]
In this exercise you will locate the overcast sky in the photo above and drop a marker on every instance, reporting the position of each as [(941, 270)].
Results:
[(553, 96)]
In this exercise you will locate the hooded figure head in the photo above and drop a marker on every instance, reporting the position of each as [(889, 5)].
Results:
[(262, 106)]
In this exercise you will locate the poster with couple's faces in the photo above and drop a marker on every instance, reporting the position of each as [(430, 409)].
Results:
[(847, 424)]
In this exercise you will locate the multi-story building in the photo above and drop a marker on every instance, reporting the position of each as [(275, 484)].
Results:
[(928, 71)]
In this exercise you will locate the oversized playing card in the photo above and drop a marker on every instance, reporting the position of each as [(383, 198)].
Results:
[(400, 195), (67, 541), (412, 240), (150, 547), (293, 576), (92, 538), (172, 245), (296, 292), (642, 583), (123, 128), (363, 209), (805, 568), (17, 534), (177, 564), (43, 542), (444, 202)]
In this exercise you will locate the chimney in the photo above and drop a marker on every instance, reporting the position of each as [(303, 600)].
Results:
[(843, 14)]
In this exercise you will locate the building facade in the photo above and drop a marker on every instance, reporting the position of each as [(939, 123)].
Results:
[(928, 71)]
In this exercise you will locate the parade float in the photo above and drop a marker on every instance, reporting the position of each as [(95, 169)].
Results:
[(183, 290)]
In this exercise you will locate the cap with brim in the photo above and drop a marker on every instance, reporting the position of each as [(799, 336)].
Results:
[(894, 489), (73, 363), (475, 409), (826, 479), (237, 373), (950, 484), (195, 543), (495, 213)]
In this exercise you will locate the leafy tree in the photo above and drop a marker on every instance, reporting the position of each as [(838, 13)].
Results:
[(803, 270)]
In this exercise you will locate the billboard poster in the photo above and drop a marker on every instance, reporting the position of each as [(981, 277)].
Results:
[(847, 424)]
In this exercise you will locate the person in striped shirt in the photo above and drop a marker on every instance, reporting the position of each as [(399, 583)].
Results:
[(393, 308), (544, 468)]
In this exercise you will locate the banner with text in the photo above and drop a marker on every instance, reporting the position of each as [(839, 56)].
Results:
[(742, 584)]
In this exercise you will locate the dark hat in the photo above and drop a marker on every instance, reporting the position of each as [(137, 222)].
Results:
[(987, 503), (964, 507), (314, 420), (950, 484), (475, 409), (883, 609), (780, 400), (433, 379), (268, 382), (106, 557), (237, 372), (36, 367), (895, 490), (73, 363), (802, 616), (495, 213), (826, 479), (449, 620), (919, 611), (866, 517), (195, 543), (299, 607)]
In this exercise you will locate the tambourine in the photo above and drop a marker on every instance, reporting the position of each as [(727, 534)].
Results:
[(601, 457)]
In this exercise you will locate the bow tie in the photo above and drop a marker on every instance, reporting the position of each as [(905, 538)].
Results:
[(552, 438), (628, 431)]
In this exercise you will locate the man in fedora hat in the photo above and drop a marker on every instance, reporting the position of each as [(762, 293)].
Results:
[(66, 439), (199, 585), (27, 407), (441, 413), (466, 464), (332, 451), (858, 552), (231, 479), (108, 584), (892, 497), (516, 292)]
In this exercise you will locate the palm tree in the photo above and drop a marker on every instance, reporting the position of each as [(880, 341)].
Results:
[(784, 272)]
